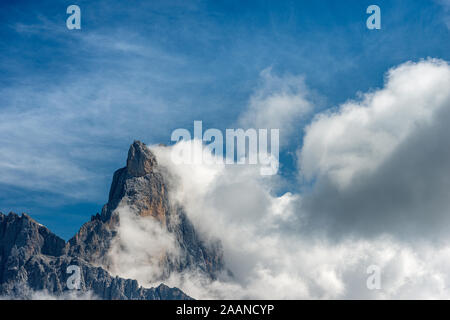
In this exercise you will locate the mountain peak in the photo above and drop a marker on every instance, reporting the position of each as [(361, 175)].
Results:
[(33, 256), (137, 183), (141, 160), (142, 187)]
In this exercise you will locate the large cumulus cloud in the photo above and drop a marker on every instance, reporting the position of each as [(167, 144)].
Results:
[(374, 176), (382, 163)]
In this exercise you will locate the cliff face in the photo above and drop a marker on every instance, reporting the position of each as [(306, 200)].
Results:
[(141, 186), (33, 258)]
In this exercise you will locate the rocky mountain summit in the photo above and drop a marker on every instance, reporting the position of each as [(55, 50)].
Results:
[(34, 259)]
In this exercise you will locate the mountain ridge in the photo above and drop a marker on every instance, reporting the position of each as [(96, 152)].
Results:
[(32, 258)]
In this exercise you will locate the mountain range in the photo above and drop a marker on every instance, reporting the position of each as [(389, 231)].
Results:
[(35, 260)]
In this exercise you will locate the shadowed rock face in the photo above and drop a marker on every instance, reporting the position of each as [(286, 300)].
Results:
[(33, 258)]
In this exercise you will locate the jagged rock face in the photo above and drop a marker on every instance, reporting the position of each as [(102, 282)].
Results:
[(138, 185), (34, 259), (140, 160), (93, 240), (141, 186)]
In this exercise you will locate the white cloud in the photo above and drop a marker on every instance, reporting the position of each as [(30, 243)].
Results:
[(269, 243), (360, 135), (67, 295), (278, 103), (380, 165), (140, 247), (269, 261), (27, 293)]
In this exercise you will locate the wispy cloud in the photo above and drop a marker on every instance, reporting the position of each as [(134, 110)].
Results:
[(446, 8), (278, 103)]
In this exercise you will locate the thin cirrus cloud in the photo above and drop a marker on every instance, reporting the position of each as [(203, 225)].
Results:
[(446, 11), (57, 128), (51, 138)]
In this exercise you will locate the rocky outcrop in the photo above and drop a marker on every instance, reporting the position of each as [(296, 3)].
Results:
[(32, 258), (141, 186)]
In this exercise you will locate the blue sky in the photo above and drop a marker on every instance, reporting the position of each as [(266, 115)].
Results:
[(72, 101)]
